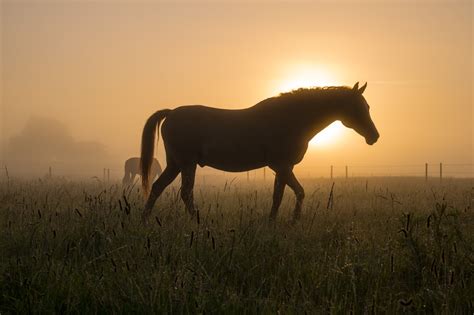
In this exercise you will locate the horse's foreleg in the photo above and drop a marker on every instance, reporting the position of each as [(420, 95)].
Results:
[(168, 175), (187, 184), (126, 178), (299, 193), (278, 189)]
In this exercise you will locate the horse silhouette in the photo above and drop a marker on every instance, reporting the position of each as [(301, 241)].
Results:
[(132, 169), (273, 133)]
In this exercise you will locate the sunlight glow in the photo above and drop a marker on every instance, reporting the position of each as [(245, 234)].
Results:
[(328, 136), (306, 76)]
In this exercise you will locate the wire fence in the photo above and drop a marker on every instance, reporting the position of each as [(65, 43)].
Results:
[(427, 170)]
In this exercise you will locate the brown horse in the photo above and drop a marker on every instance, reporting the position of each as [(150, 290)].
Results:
[(273, 133), (132, 169)]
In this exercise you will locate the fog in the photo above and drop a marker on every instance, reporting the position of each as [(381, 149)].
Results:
[(45, 143), (79, 79)]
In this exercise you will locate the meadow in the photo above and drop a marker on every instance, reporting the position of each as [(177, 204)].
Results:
[(375, 245)]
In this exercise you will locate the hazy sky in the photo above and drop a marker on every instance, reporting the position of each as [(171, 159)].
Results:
[(102, 67)]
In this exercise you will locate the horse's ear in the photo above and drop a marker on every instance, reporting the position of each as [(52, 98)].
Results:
[(362, 89), (356, 87)]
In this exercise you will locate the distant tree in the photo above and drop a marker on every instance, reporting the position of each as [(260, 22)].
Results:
[(45, 141)]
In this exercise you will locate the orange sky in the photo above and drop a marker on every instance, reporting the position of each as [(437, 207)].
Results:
[(102, 67)]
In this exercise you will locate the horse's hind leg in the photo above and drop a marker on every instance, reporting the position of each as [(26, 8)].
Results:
[(166, 178), (278, 190), (299, 192), (187, 184)]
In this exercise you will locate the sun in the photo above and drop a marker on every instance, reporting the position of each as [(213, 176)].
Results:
[(328, 136), (306, 76)]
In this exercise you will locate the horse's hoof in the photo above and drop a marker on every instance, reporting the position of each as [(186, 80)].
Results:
[(194, 216), (145, 216), (295, 220), (192, 212)]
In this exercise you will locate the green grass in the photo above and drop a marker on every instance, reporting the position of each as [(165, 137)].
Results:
[(390, 245)]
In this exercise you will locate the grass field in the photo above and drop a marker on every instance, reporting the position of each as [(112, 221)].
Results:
[(385, 245)]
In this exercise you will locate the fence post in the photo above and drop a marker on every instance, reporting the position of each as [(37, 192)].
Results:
[(347, 172), (6, 173), (426, 171), (440, 171), (50, 172), (331, 171), (108, 175)]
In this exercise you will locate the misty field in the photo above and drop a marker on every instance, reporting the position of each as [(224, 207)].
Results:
[(379, 245)]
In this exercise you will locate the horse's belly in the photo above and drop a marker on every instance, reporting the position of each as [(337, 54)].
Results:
[(232, 157)]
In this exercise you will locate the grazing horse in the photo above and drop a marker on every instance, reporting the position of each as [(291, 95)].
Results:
[(132, 169), (273, 133)]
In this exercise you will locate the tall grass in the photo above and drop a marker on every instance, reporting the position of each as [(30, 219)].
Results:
[(386, 245)]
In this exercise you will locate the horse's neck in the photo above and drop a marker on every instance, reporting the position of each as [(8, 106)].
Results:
[(316, 117), (301, 120)]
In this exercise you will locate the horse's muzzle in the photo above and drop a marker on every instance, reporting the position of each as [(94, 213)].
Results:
[(372, 140)]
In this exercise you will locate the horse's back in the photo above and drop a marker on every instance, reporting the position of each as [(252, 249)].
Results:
[(132, 165), (197, 121), (220, 138), (132, 160)]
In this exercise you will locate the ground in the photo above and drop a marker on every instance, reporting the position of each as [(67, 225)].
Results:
[(385, 245)]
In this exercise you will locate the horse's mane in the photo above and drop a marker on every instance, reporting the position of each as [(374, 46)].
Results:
[(317, 91), (304, 95)]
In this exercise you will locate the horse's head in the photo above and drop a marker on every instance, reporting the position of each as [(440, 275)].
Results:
[(356, 115)]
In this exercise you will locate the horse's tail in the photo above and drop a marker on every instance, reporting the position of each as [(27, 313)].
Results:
[(148, 145)]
